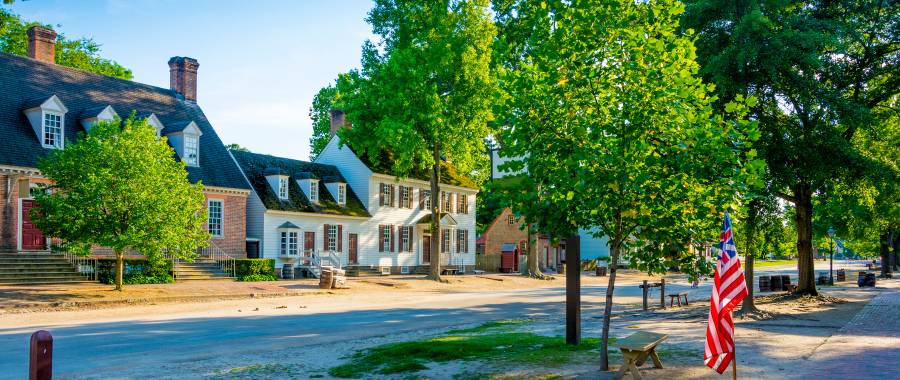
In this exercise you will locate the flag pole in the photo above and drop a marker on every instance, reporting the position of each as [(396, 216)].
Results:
[(734, 363)]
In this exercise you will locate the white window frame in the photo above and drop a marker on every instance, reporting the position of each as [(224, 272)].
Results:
[(449, 240), (406, 197), (404, 238), (57, 142), (510, 219), (342, 194), (192, 150), (282, 187), (427, 195), (314, 191), (386, 237), (290, 242), (332, 237), (209, 218)]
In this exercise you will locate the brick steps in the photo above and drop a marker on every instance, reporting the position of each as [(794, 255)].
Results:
[(200, 270), (363, 271), (33, 268)]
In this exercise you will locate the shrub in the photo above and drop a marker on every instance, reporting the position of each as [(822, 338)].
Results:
[(247, 267), (146, 271), (258, 277)]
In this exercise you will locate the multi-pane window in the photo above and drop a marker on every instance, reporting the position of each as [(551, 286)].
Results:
[(332, 237), (192, 150), (462, 241), (52, 130), (289, 242), (387, 195), (447, 205), (426, 195), (314, 191), (214, 220), (405, 197), (445, 240), (342, 194), (462, 203), (404, 238), (510, 219), (386, 238), (282, 188)]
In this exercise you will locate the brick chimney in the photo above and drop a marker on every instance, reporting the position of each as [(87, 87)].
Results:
[(183, 77), (42, 44), (338, 121)]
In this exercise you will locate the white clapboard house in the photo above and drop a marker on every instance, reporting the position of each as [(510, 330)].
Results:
[(340, 210)]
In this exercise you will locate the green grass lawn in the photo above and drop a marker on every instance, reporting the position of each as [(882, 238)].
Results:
[(497, 342), (771, 263)]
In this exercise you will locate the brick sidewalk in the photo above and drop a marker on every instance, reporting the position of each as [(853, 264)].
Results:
[(867, 347)]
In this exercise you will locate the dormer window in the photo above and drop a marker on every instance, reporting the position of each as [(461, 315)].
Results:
[(314, 191), (283, 188), (342, 194), (52, 130), (154, 122), (91, 116), (48, 120), (192, 150)]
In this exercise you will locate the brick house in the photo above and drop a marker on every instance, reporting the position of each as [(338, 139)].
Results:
[(45, 106), (508, 229)]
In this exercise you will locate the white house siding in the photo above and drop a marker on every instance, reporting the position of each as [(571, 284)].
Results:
[(593, 247), (255, 217), (354, 171), (387, 215), (271, 247)]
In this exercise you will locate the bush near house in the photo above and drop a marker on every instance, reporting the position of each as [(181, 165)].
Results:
[(255, 269), (137, 271)]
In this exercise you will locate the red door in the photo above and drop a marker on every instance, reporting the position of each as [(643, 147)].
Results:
[(352, 238), (426, 249), (32, 237), (309, 243)]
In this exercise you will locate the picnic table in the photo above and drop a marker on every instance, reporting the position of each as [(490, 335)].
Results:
[(678, 296), (635, 350)]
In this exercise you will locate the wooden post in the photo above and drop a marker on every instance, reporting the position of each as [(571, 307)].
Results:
[(573, 292), (40, 361), (662, 293), (734, 365), (645, 291)]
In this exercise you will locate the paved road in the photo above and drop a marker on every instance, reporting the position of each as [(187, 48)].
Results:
[(89, 346)]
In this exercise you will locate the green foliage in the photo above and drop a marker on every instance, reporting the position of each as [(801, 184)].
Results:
[(320, 114), (137, 271), (258, 277), (236, 148), (254, 267), (83, 53), (119, 187)]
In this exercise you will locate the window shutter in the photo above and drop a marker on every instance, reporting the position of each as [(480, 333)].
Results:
[(410, 242), (392, 196), (421, 199), (381, 194), (325, 239), (392, 237), (340, 237), (380, 238), (466, 241)]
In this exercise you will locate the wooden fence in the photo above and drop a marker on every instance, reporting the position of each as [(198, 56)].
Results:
[(487, 263)]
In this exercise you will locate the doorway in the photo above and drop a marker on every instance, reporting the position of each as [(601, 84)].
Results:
[(426, 249), (354, 257), (32, 237)]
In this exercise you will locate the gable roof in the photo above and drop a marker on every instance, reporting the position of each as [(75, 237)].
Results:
[(24, 81), (255, 167)]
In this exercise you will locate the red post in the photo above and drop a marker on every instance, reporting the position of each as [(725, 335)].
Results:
[(41, 357)]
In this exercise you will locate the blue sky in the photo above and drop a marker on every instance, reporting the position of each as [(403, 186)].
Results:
[(261, 62)]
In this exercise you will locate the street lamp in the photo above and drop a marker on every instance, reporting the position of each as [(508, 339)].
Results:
[(831, 258)]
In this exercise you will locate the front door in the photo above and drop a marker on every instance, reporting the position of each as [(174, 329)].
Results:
[(32, 237), (352, 239), (309, 243), (426, 249)]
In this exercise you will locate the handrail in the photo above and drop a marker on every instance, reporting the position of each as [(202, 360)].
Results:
[(85, 265), (225, 261)]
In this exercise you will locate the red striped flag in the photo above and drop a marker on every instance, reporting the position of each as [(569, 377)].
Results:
[(729, 289)]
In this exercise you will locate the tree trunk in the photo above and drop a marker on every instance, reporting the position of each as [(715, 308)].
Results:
[(614, 246), (436, 215), (886, 255), (120, 269), (895, 243), (806, 285), (749, 306), (534, 269)]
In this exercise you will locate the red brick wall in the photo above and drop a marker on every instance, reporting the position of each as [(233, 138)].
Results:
[(9, 207), (501, 232), (234, 241)]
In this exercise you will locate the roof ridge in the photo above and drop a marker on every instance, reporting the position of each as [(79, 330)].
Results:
[(80, 71)]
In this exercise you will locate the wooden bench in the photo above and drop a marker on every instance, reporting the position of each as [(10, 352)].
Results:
[(678, 296), (450, 271), (635, 350)]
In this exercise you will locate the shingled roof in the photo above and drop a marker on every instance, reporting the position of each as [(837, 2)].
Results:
[(24, 81), (256, 166)]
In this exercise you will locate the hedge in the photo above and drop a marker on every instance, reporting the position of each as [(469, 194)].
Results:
[(137, 271), (254, 268)]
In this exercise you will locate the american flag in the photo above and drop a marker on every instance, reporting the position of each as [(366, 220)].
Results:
[(729, 289)]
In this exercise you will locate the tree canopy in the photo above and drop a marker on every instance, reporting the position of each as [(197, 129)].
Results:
[(320, 115), (83, 53), (119, 187)]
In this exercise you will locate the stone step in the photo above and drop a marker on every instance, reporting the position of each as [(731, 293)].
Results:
[(45, 280), (6, 265), (41, 269)]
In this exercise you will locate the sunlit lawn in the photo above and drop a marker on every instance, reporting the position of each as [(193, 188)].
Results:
[(771, 263)]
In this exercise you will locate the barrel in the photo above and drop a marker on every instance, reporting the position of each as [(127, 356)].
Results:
[(775, 283), (764, 283), (841, 275), (870, 279), (287, 272), (326, 279), (785, 282)]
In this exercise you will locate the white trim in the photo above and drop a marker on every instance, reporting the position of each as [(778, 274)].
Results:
[(443, 186), (34, 172), (225, 190), (222, 217), (59, 140), (295, 213)]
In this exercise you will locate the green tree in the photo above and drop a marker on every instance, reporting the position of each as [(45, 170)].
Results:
[(320, 114), (83, 53), (119, 187), (819, 69), (603, 104), (424, 95), (237, 147)]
